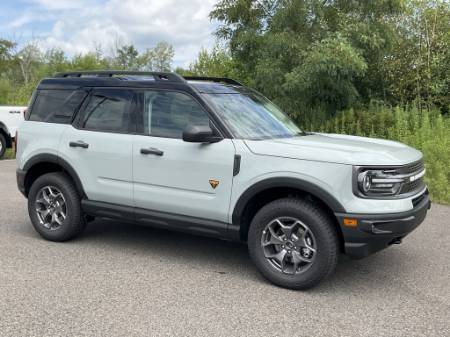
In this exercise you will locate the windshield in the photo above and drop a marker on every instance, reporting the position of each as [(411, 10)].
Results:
[(252, 116)]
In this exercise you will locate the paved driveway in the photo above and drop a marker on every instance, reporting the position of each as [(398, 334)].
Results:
[(124, 280)]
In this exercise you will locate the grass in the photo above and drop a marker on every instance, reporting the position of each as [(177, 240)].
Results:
[(9, 154)]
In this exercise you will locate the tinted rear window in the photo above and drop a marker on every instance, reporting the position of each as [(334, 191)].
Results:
[(109, 110), (56, 106)]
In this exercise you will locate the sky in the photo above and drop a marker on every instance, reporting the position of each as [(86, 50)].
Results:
[(79, 26)]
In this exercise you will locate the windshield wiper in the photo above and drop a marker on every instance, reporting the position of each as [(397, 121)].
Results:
[(304, 133)]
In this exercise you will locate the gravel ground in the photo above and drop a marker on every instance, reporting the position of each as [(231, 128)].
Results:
[(124, 280)]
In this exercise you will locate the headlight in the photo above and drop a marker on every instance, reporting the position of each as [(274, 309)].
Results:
[(389, 182), (378, 183)]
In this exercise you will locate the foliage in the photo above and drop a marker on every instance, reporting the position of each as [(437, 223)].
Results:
[(309, 52), (21, 70), (216, 63), (338, 54), (9, 154)]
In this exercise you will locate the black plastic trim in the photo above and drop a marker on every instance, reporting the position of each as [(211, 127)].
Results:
[(54, 159), (158, 76), (377, 231), (286, 182), (236, 165), (170, 221), (20, 177)]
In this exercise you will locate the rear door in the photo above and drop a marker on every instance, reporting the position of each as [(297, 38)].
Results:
[(99, 145)]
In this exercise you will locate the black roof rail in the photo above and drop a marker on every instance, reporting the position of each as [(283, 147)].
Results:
[(159, 76), (213, 79)]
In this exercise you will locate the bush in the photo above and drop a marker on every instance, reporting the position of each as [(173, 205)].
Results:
[(426, 130), (9, 154)]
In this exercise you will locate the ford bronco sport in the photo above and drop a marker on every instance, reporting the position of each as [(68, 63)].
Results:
[(212, 157)]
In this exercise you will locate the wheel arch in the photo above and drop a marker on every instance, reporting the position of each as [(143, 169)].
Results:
[(265, 191), (47, 163)]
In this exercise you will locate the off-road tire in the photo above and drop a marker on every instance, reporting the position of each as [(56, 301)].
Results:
[(319, 223), (74, 222)]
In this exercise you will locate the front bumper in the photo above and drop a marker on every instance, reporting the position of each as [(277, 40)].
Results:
[(374, 232), (20, 176)]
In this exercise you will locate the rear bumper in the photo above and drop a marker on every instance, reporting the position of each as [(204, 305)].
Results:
[(374, 232), (20, 177)]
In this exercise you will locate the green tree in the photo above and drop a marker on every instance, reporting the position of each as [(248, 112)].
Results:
[(162, 57), (282, 44), (216, 63), (6, 54), (28, 58), (126, 58)]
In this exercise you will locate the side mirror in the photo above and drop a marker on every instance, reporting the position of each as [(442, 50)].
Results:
[(200, 134)]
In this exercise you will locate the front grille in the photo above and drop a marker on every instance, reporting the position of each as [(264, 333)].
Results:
[(410, 187)]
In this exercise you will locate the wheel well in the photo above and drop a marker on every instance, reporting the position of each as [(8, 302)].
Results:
[(271, 194), (39, 170)]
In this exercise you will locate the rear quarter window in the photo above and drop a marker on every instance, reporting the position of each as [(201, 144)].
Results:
[(56, 106)]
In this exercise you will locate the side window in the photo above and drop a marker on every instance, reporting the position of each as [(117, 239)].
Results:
[(56, 106), (166, 114), (109, 110)]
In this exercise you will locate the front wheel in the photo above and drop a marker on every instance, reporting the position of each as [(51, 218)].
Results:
[(54, 207), (293, 243)]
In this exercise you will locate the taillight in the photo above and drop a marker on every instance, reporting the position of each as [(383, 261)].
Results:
[(16, 142)]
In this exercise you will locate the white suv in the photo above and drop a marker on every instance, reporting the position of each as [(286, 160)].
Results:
[(10, 119), (211, 157)]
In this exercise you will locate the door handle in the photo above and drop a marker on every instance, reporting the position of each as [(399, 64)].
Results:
[(80, 143), (152, 150)]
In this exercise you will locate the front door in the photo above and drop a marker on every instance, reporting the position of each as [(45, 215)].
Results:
[(174, 176)]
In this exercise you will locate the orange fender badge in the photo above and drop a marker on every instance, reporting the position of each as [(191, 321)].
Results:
[(214, 183)]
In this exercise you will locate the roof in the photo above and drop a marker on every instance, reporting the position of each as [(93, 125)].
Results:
[(74, 80)]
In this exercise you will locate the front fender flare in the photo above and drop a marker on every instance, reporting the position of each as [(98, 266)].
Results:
[(286, 182)]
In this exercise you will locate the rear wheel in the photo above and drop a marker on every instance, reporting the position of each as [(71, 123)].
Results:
[(293, 243), (2, 145), (54, 207)]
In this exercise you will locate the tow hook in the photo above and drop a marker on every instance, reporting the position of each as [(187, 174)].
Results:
[(396, 241)]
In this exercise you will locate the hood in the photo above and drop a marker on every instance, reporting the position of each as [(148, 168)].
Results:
[(343, 149)]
